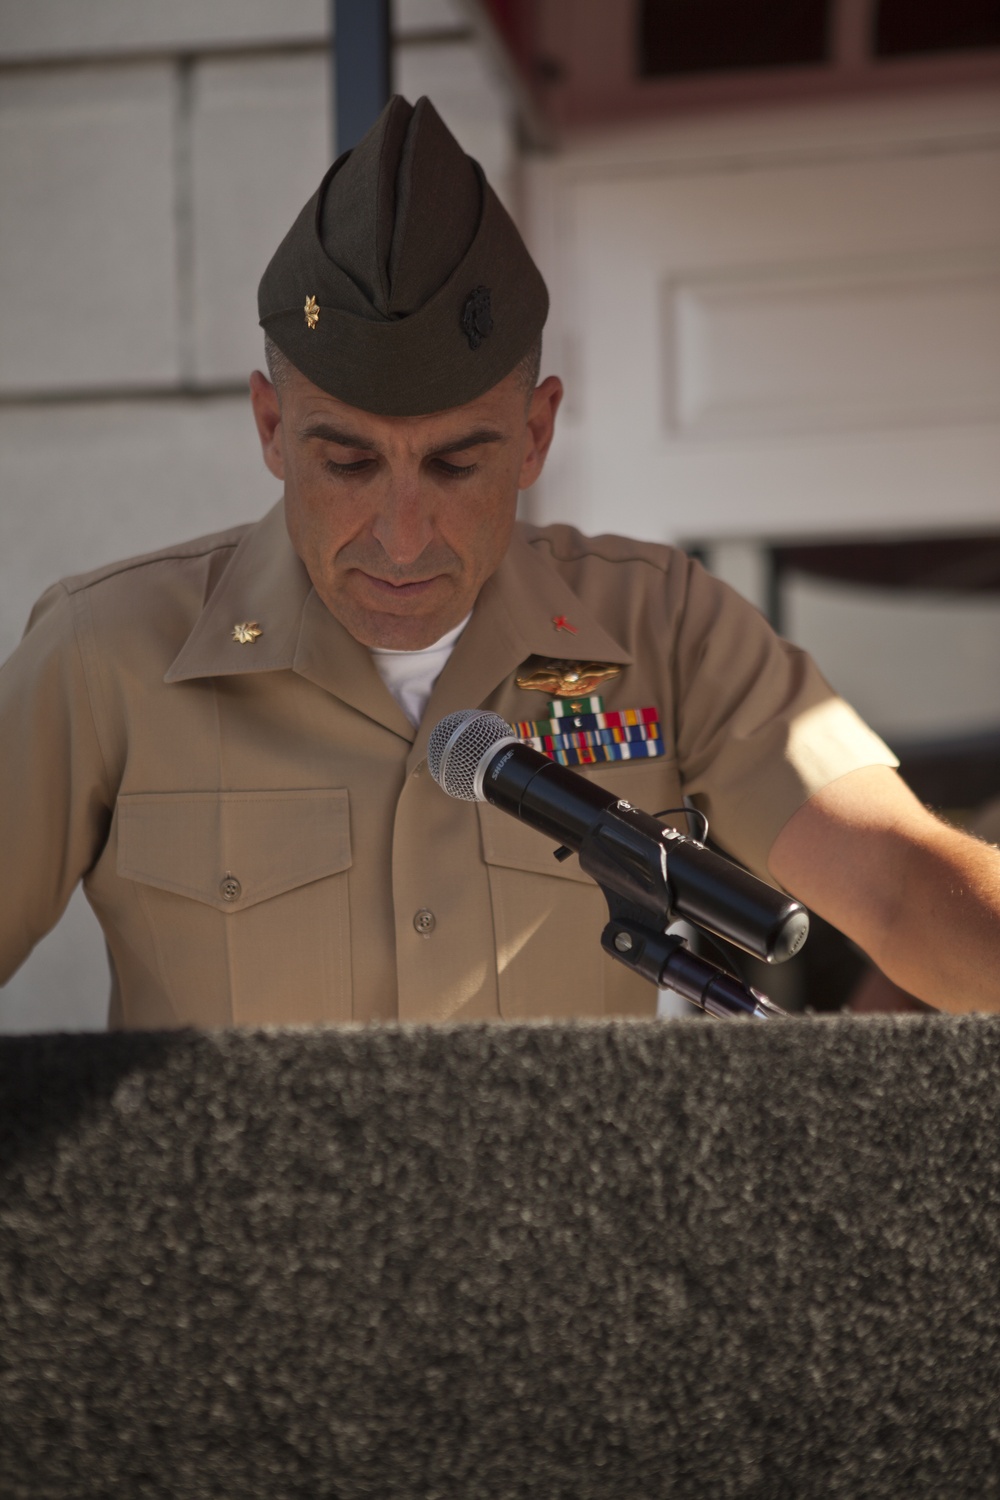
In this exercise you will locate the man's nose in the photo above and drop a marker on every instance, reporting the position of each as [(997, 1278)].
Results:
[(403, 523)]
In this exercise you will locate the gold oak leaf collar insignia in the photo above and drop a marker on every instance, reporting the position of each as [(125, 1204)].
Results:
[(312, 312), (565, 679), (247, 632)]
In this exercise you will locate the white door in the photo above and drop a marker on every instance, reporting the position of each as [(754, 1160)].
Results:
[(782, 323)]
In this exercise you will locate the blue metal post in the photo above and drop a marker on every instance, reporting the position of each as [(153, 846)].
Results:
[(361, 66)]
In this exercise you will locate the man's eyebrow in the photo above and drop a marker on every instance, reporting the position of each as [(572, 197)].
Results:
[(473, 440), (327, 433), (339, 435)]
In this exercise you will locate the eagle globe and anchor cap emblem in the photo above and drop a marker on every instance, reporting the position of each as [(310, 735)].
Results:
[(477, 316)]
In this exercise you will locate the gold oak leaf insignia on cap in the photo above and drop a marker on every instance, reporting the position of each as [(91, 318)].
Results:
[(311, 312), (247, 632)]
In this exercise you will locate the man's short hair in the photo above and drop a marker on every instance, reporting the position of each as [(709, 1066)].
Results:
[(528, 369), (279, 366)]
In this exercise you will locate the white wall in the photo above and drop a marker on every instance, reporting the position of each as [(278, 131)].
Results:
[(778, 322), (151, 157)]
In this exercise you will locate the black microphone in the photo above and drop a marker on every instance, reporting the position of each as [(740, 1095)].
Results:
[(474, 756)]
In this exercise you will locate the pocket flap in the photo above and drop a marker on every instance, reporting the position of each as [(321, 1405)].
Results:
[(509, 842), (233, 849), (648, 784)]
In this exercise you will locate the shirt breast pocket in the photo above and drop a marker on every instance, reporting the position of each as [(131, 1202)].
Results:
[(246, 897), (548, 915)]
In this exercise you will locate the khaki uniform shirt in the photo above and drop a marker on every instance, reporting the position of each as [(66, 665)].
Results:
[(255, 825)]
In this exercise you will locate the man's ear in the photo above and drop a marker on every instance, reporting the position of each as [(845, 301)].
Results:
[(541, 426), (267, 415)]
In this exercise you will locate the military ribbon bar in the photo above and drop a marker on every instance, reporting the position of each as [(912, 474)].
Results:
[(623, 718), (567, 708), (592, 738)]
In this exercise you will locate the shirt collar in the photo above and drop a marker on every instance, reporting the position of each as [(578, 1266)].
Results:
[(266, 583)]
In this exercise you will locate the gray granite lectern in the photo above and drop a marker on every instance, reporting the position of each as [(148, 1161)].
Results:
[(619, 1260)]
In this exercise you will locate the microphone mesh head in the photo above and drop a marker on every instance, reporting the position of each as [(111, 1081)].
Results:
[(457, 746)]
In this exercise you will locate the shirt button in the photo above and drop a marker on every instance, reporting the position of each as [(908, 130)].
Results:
[(425, 922), (230, 888)]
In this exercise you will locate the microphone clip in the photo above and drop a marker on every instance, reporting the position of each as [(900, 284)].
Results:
[(625, 852), (668, 962)]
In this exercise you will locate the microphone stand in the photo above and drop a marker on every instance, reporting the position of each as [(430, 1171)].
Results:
[(639, 908), (669, 963)]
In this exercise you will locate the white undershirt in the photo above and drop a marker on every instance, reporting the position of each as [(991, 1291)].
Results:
[(410, 675)]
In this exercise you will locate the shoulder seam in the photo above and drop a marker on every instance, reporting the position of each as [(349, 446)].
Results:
[(578, 554), (78, 582)]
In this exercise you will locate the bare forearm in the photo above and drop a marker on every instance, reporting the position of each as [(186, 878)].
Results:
[(922, 899), (941, 941)]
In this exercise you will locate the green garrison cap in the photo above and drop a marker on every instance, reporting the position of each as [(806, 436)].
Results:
[(403, 286)]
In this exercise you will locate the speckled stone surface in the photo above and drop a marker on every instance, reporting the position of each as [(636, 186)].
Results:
[(619, 1260)]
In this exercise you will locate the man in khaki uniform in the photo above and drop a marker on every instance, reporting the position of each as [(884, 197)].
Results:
[(226, 740)]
